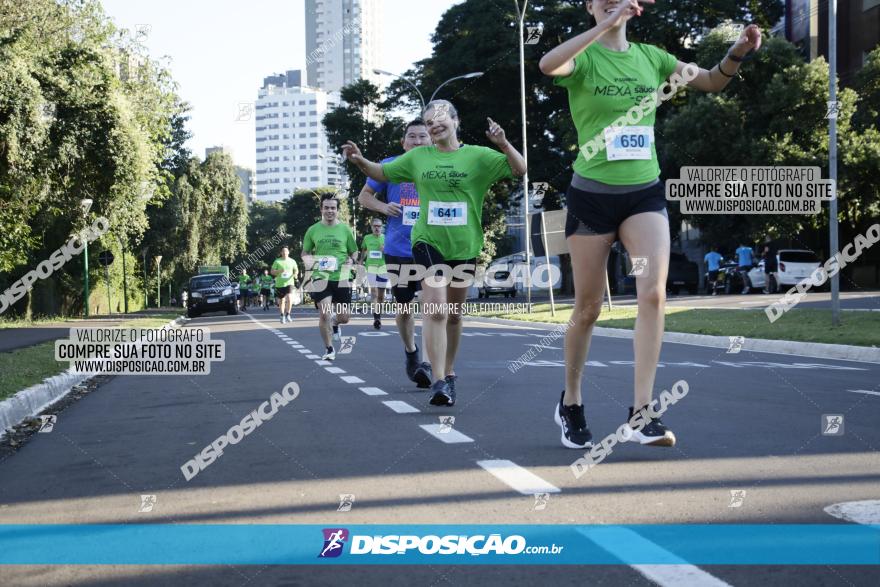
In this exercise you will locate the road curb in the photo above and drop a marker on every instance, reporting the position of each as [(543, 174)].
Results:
[(784, 347), (31, 401)]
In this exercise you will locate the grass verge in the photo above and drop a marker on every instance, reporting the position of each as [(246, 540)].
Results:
[(28, 366), (803, 325)]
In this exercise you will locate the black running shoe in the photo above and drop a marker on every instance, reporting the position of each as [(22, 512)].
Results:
[(450, 380), (443, 394), (412, 364), (377, 324), (423, 375), (653, 433), (571, 420)]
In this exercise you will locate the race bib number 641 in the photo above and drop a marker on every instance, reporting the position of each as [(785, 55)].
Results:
[(447, 213)]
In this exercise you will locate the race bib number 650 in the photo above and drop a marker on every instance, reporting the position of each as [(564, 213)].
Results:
[(447, 213), (629, 142)]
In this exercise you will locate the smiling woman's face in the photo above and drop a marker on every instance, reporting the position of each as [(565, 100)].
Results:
[(441, 122)]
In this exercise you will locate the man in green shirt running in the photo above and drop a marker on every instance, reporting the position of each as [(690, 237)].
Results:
[(285, 271), (244, 291), (265, 282), (329, 250), (372, 257), (452, 180)]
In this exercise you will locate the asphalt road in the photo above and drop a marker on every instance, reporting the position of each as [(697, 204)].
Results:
[(751, 421)]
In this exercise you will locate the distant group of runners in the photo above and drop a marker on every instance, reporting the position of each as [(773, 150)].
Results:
[(433, 199)]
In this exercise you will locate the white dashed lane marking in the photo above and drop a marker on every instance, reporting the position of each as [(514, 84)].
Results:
[(401, 407), (861, 512), (451, 436), (864, 391), (372, 391), (352, 379), (334, 370), (520, 479)]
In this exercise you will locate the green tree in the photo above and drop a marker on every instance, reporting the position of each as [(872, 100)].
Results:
[(72, 128)]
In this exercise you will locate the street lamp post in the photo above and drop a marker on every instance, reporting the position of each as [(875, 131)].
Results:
[(124, 275), (465, 76), (471, 75), (144, 252), (86, 204), (421, 98), (832, 153), (158, 282), (525, 147)]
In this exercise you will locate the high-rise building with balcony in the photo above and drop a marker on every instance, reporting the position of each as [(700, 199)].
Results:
[(342, 42), (292, 149)]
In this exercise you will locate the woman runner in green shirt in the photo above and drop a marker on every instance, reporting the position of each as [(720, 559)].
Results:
[(452, 180), (616, 192)]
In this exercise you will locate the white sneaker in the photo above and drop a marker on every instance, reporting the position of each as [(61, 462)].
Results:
[(337, 331), (283, 320), (329, 355)]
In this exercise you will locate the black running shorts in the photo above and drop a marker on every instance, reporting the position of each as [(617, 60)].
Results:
[(594, 213)]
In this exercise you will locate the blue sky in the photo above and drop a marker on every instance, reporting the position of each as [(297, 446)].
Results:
[(220, 50)]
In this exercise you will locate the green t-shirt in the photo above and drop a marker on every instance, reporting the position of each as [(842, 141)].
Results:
[(374, 246), (243, 280), (289, 271), (255, 286), (604, 86), (330, 245), (451, 187)]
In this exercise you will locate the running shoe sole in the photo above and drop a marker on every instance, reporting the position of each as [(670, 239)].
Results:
[(565, 441), (666, 440), (441, 399)]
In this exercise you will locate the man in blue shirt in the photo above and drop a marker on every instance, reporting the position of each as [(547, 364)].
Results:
[(744, 264), (402, 209), (713, 262)]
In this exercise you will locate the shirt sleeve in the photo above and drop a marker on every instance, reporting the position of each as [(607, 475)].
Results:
[(379, 187), (581, 66), (401, 169), (497, 166), (352, 246), (308, 242), (665, 61)]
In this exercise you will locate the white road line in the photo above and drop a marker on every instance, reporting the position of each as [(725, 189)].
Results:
[(861, 512), (372, 391), (293, 344), (313, 357), (453, 436), (674, 570), (352, 379), (305, 351), (865, 391), (323, 363), (520, 479), (401, 407), (334, 370)]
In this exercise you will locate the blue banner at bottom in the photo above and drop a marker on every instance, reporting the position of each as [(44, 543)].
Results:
[(251, 544)]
